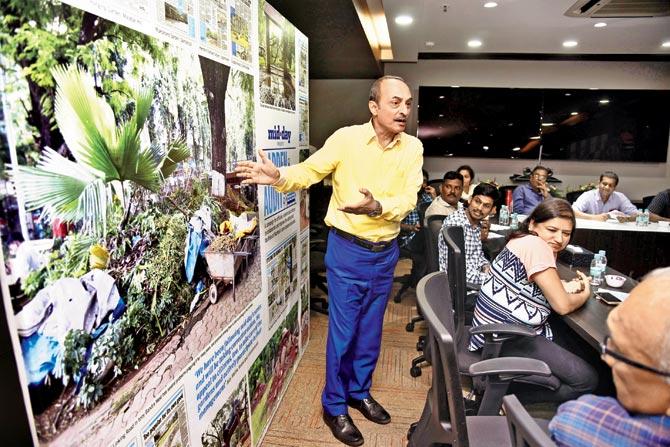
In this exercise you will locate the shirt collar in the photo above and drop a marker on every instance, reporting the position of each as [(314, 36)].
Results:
[(370, 135)]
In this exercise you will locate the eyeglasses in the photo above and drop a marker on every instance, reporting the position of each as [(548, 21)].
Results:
[(540, 176), (604, 350)]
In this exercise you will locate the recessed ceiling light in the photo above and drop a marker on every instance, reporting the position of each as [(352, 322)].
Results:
[(455, 86), (404, 20), (486, 148), (604, 101), (441, 115), (430, 43), (600, 25), (516, 149), (441, 96), (547, 124), (568, 94), (666, 44), (474, 43), (570, 43), (490, 5), (574, 113), (535, 137)]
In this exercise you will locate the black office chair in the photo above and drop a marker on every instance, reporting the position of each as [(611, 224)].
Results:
[(417, 256), (524, 431), (646, 200), (317, 267), (573, 195), (443, 419), (433, 227), (495, 335)]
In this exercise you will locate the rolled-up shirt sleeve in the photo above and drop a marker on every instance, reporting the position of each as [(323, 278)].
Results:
[(311, 171)]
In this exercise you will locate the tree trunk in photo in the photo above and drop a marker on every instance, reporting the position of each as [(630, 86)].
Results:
[(215, 82)]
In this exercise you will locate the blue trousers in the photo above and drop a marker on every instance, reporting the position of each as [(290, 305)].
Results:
[(359, 284)]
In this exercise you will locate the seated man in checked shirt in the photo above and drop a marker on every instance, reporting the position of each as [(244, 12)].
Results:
[(638, 351), (480, 204)]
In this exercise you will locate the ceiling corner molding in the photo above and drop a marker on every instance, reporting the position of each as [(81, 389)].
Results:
[(373, 20)]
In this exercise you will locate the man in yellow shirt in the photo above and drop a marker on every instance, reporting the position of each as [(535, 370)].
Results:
[(379, 161)]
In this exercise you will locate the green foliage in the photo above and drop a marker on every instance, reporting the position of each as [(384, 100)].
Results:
[(34, 282), (109, 155), (74, 351)]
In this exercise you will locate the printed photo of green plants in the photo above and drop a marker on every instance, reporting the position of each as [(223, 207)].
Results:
[(122, 265)]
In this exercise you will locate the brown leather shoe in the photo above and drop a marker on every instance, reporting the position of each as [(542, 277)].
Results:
[(371, 409), (343, 429)]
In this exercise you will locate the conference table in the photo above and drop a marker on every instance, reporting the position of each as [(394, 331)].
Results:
[(630, 249), (590, 320)]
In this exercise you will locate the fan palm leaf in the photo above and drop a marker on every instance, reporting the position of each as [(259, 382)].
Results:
[(108, 155)]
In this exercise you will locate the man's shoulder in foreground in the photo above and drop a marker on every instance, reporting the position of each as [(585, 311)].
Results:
[(595, 420)]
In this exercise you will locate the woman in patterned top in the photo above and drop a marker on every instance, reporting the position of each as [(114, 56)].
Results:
[(524, 288)]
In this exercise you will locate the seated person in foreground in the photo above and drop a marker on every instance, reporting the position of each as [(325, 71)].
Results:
[(597, 203), (527, 196), (470, 219), (448, 200), (524, 288), (468, 181), (638, 351)]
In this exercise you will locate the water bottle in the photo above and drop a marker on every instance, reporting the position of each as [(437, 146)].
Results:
[(639, 218), (503, 219), (645, 215), (603, 262), (514, 221), (594, 271)]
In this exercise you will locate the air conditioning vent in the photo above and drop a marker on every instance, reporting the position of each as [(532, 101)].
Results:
[(601, 9)]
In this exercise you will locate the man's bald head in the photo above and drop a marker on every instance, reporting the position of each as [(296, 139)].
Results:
[(640, 331)]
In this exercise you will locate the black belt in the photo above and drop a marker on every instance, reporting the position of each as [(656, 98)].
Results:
[(372, 246)]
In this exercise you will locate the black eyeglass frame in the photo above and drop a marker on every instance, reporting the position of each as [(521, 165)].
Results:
[(604, 350)]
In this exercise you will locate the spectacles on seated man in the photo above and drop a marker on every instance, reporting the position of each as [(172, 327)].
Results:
[(605, 350)]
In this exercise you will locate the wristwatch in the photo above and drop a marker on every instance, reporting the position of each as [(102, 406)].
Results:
[(377, 211)]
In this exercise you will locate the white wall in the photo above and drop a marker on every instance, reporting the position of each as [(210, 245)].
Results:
[(636, 179), (336, 103)]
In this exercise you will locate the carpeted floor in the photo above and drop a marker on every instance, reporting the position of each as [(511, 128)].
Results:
[(298, 422)]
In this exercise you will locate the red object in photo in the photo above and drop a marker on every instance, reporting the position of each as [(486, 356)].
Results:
[(59, 228), (508, 199)]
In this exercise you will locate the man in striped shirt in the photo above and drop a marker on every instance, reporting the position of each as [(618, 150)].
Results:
[(638, 351)]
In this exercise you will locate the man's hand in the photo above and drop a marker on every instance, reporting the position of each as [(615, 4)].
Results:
[(262, 172), (409, 227), (601, 217), (543, 189), (626, 218), (431, 191), (365, 206), (485, 225)]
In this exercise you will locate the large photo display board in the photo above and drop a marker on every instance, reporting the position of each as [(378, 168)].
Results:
[(153, 299)]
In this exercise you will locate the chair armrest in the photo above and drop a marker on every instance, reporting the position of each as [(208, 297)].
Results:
[(509, 366), (502, 328)]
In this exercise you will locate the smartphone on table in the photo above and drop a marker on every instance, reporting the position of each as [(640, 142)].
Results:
[(607, 298)]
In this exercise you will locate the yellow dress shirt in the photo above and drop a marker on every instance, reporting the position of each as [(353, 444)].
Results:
[(356, 159)]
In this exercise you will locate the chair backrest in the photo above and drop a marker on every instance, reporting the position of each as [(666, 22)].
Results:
[(445, 395), (572, 196), (646, 200), (455, 240), (523, 429), (431, 234), (421, 209)]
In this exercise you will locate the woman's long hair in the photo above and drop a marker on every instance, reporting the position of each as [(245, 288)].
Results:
[(547, 210)]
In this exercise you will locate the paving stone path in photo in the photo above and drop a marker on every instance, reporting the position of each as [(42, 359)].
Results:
[(106, 422)]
